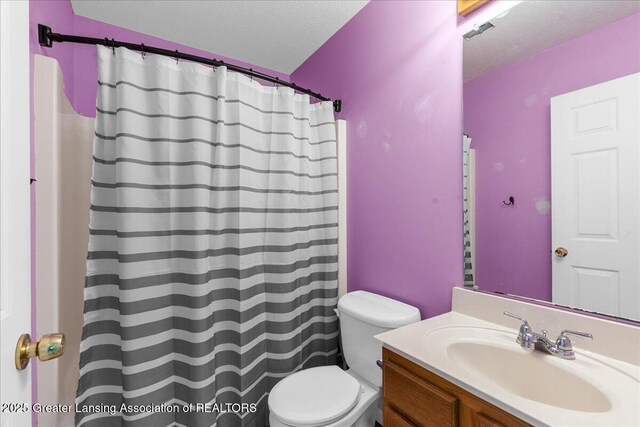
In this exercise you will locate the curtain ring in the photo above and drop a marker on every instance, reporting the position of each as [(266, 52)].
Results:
[(113, 46), (276, 83), (142, 52), (251, 75), (176, 56)]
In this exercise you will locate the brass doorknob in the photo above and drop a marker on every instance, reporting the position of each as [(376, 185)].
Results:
[(49, 347), (561, 252)]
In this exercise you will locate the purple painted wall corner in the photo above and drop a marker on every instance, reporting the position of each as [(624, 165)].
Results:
[(397, 66), (86, 65), (78, 62), (57, 13)]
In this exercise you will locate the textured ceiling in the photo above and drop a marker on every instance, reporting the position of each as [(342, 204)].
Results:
[(534, 26), (279, 35)]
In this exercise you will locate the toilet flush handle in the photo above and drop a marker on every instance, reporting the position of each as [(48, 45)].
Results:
[(379, 363)]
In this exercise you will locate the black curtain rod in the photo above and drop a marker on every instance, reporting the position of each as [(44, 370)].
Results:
[(46, 38)]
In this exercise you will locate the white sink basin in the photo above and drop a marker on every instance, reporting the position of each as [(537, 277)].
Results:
[(600, 388), (529, 376), (494, 359)]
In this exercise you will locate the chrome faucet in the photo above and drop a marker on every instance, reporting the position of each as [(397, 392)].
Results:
[(530, 340)]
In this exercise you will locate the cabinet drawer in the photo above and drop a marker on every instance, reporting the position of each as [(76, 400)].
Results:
[(417, 400)]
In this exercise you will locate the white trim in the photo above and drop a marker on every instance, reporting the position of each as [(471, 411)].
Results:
[(62, 137), (15, 205)]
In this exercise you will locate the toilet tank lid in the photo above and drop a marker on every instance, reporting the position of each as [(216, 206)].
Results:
[(378, 310)]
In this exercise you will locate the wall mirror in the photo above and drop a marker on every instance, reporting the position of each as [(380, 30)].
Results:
[(551, 154)]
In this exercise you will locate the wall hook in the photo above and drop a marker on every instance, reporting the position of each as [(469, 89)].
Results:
[(512, 201)]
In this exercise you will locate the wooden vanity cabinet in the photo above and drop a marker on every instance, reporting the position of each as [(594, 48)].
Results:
[(414, 396)]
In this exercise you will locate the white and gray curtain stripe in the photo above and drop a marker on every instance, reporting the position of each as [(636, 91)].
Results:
[(466, 204), (212, 264)]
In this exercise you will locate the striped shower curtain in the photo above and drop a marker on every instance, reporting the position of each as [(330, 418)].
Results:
[(468, 212), (212, 265)]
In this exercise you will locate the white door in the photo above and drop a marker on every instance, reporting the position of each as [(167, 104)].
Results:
[(15, 277), (595, 163)]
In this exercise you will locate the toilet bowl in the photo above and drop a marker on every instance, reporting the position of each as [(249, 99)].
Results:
[(324, 396), (328, 396)]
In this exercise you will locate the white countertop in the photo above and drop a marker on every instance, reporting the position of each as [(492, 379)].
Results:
[(624, 394)]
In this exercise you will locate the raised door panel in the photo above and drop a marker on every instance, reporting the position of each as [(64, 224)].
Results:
[(595, 194), (596, 289)]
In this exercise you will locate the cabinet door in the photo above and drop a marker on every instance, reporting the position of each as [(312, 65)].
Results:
[(393, 419), (413, 395), (416, 400), (481, 420)]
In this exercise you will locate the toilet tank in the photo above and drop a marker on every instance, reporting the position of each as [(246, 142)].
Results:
[(363, 315)]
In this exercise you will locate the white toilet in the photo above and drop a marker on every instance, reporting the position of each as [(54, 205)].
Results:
[(327, 396)]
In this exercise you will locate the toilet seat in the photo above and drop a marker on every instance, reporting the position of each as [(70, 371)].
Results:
[(314, 397)]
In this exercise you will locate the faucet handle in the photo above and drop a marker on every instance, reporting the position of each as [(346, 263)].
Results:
[(576, 333), (563, 343), (525, 335), (522, 319)]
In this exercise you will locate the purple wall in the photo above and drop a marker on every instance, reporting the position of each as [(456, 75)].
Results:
[(397, 66), (58, 15), (78, 62), (507, 114)]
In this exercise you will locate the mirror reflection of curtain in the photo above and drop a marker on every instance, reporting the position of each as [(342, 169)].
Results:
[(468, 207)]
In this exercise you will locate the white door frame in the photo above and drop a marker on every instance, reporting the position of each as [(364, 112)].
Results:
[(15, 225)]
